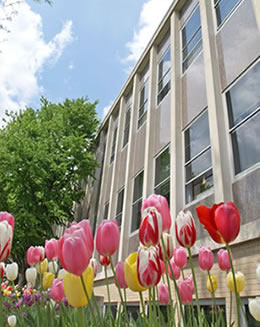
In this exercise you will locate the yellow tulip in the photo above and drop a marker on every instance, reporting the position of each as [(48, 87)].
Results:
[(42, 267), (47, 280), (130, 269), (240, 281), (73, 288), (214, 283)]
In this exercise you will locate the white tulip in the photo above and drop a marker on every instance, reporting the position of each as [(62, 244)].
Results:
[(11, 271), (31, 275), (61, 273), (258, 272), (53, 267), (11, 320), (254, 308)]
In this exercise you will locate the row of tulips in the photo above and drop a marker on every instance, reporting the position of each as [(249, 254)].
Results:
[(146, 269)]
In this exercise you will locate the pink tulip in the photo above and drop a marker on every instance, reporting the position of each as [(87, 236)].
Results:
[(120, 275), (2, 270), (168, 242), (185, 229), (51, 249), (163, 292), (150, 229), (6, 238), (161, 204), (185, 291), (223, 260), (104, 260), (206, 258), (108, 237), (76, 247), (180, 256), (35, 254), (4, 215), (148, 266), (57, 290), (176, 270), (93, 263), (189, 280)]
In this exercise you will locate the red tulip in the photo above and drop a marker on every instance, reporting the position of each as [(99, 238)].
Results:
[(4, 215), (162, 267), (176, 270), (223, 260), (185, 291), (104, 260), (185, 229), (222, 221), (120, 275), (180, 256), (108, 237), (76, 247), (2, 270), (163, 292), (51, 249), (161, 204), (206, 258), (148, 266), (168, 242), (150, 229), (57, 290), (6, 238)]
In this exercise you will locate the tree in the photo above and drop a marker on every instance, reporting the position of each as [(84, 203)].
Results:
[(45, 155)]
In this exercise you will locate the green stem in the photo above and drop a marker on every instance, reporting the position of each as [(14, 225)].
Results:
[(182, 274), (143, 307), (150, 307), (213, 299), (88, 299), (235, 285), (108, 292), (230, 310), (125, 298), (244, 313), (195, 285), (97, 309), (81, 318), (54, 268)]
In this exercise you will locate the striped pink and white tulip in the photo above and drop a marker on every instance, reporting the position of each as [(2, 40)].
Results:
[(150, 229), (168, 242), (185, 229), (6, 238)]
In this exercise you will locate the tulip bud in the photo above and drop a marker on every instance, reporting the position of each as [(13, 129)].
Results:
[(53, 267), (185, 229), (34, 255), (120, 275), (240, 281), (258, 272), (163, 292), (104, 260), (57, 290), (11, 271), (168, 242), (6, 238), (214, 283), (130, 269), (51, 249), (11, 321), (223, 260), (6, 216), (150, 229), (176, 270), (185, 291), (206, 258), (180, 256), (148, 266), (42, 266), (254, 308), (61, 273), (2, 270), (31, 275), (93, 264), (108, 237), (47, 280)]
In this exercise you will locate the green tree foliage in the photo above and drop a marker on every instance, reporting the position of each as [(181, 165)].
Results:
[(45, 155)]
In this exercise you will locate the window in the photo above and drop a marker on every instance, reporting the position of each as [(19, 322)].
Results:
[(113, 146), (164, 75), (143, 97), (137, 201), (105, 216), (191, 39), (162, 174), (250, 319), (133, 310), (119, 207), (224, 8), (198, 167), (127, 120), (243, 102)]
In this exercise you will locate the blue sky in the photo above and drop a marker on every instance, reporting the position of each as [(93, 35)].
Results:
[(73, 49)]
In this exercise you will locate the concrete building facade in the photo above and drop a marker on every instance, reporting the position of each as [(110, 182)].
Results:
[(186, 125)]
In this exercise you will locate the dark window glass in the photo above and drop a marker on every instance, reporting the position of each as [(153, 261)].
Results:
[(207, 311), (119, 207), (137, 201), (143, 104), (250, 319), (106, 211), (138, 186), (198, 165), (164, 77), (224, 8), (162, 167), (133, 311), (163, 189), (127, 125), (191, 39), (113, 309), (113, 146), (199, 185)]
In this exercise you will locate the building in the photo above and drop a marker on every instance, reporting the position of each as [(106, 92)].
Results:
[(186, 125)]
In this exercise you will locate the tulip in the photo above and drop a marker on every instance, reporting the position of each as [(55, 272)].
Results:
[(176, 270), (47, 280), (206, 258), (6, 237), (163, 292), (189, 280), (2, 270), (120, 275), (51, 249), (254, 308), (11, 321), (53, 267), (162, 267), (150, 229), (222, 221), (214, 283), (148, 266), (6, 216), (93, 264), (240, 281), (34, 255), (180, 256), (223, 260), (73, 288), (61, 273), (168, 242), (11, 271), (185, 291), (185, 229), (57, 290), (31, 275), (104, 261), (258, 272), (42, 267), (76, 247), (108, 237), (161, 204), (130, 269)]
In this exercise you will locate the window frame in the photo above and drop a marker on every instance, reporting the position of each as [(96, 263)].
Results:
[(118, 214), (144, 82), (113, 148), (215, 4), (128, 109), (136, 202), (159, 92), (167, 179), (106, 205)]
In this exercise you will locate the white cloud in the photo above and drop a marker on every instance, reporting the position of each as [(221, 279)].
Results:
[(106, 109), (71, 66), (23, 57), (150, 17)]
